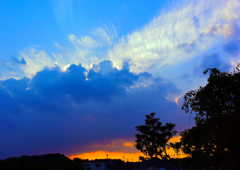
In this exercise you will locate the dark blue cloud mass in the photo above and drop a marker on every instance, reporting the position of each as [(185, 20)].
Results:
[(59, 111), (232, 47), (211, 61)]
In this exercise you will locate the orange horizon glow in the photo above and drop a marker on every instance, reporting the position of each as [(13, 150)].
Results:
[(127, 157), (124, 156)]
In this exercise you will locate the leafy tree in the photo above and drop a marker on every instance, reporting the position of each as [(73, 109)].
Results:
[(152, 139), (214, 141), (176, 147)]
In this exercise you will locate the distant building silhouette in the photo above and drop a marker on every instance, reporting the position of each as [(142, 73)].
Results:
[(103, 164)]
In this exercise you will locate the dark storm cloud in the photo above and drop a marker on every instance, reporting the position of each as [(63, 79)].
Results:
[(52, 87), (232, 47), (211, 61), (61, 111), (22, 61)]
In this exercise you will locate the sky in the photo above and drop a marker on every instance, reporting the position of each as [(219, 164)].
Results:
[(77, 76)]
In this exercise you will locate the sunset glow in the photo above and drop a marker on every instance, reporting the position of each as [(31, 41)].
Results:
[(129, 156), (111, 155)]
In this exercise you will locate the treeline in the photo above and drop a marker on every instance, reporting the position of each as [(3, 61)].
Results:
[(214, 142), (43, 162)]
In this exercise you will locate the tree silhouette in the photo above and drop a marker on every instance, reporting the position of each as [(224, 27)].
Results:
[(176, 147), (152, 139), (214, 141)]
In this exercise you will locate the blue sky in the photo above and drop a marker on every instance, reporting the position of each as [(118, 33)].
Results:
[(78, 73)]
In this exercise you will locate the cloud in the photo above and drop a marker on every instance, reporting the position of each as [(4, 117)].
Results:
[(177, 100), (57, 45), (112, 145), (36, 60), (196, 21), (178, 35), (100, 36), (86, 41), (232, 47), (57, 111), (22, 61), (211, 61), (175, 37), (106, 34), (129, 144), (88, 49), (227, 30), (187, 47)]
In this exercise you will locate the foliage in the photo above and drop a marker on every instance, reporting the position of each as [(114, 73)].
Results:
[(43, 162), (152, 139), (214, 141), (176, 147)]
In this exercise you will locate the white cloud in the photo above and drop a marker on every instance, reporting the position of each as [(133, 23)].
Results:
[(174, 37), (85, 41), (88, 50), (57, 45), (64, 68), (106, 34), (231, 11), (227, 30), (75, 56), (101, 36), (35, 61), (187, 30)]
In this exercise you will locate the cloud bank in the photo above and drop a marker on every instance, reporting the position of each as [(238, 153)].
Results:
[(57, 111), (180, 34)]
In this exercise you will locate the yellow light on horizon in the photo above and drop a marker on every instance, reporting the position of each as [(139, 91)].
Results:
[(124, 155), (111, 155)]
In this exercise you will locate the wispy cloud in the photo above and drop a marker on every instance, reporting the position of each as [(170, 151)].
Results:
[(106, 34), (35, 61), (86, 41), (186, 31), (179, 34), (57, 45)]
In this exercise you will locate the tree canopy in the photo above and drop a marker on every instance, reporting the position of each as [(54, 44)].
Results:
[(152, 139), (215, 138), (221, 96)]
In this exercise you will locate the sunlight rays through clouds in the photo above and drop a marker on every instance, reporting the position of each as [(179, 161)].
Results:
[(179, 34)]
